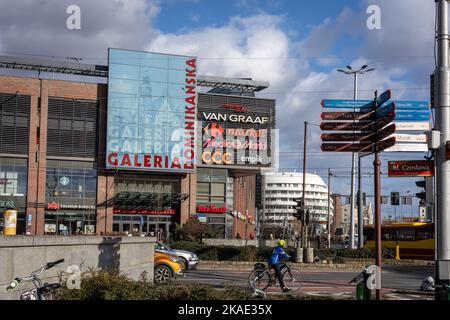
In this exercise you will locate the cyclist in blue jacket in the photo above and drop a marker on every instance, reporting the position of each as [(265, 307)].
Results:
[(275, 261)]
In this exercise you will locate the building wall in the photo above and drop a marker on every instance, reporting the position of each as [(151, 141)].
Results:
[(40, 90), (280, 190), (244, 199), (20, 255)]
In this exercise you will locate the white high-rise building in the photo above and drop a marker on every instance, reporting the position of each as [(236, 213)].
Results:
[(279, 191)]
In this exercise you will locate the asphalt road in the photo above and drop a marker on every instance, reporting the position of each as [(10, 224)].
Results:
[(394, 277)]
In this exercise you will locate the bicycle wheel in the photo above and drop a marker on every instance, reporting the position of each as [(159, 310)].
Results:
[(259, 279), (289, 280)]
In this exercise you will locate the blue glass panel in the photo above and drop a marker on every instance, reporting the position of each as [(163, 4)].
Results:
[(177, 76), (153, 74), (123, 86), (154, 89), (124, 56), (177, 91), (155, 60), (124, 71)]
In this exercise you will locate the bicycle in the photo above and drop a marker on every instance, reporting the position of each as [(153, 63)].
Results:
[(263, 276), (41, 291)]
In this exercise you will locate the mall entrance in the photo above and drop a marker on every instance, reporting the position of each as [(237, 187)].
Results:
[(154, 226)]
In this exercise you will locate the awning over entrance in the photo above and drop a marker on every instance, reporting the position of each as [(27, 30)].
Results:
[(148, 200)]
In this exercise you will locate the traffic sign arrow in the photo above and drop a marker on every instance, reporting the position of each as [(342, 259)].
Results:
[(368, 104), (347, 115), (408, 147), (381, 134), (411, 137), (413, 115), (385, 132), (387, 109), (413, 126), (344, 147), (358, 126), (351, 104), (381, 145), (382, 98), (412, 105)]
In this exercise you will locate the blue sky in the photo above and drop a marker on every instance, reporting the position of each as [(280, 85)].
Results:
[(302, 43)]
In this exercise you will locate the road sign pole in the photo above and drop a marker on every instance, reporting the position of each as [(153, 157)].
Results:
[(377, 192), (329, 212), (442, 98), (360, 207)]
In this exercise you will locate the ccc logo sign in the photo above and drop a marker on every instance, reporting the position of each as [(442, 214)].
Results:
[(216, 157)]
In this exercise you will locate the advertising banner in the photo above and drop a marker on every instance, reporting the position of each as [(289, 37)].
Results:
[(152, 111), (236, 131), (10, 223)]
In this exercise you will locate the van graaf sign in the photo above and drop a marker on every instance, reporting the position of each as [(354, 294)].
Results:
[(234, 146), (152, 109)]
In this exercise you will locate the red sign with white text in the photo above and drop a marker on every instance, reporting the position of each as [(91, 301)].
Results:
[(418, 168)]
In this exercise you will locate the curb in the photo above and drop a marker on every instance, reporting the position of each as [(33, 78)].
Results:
[(422, 293)]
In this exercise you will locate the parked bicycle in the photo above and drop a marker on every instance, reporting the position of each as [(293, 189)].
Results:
[(41, 291), (263, 276)]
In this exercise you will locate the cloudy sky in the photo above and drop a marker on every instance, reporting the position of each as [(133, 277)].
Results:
[(296, 45)]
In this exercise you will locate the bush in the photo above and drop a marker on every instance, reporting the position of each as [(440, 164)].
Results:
[(340, 254), (228, 253), (101, 285), (193, 230)]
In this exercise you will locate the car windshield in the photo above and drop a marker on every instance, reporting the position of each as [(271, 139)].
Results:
[(163, 246)]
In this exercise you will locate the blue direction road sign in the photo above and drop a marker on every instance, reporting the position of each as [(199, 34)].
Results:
[(368, 104), (389, 108), (385, 96), (412, 115), (412, 105), (330, 103)]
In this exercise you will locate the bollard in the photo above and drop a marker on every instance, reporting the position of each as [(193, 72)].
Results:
[(308, 255), (299, 255), (397, 252)]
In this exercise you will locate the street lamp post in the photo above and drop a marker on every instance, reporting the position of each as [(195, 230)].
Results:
[(364, 69)]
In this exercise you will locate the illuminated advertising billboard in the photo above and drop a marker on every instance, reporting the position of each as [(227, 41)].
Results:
[(152, 109), (235, 131)]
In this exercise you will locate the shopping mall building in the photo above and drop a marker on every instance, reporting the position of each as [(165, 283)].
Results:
[(137, 146)]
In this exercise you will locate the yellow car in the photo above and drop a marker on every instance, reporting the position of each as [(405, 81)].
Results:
[(167, 266)]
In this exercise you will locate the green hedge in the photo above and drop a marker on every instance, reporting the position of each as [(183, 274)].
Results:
[(252, 253), (338, 255), (115, 286)]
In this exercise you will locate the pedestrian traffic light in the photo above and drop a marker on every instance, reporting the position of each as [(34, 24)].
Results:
[(395, 198)]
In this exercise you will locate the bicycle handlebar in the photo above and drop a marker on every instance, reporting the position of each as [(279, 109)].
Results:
[(54, 263)]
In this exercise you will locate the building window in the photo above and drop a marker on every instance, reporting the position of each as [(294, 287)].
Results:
[(211, 186), (70, 179), (13, 177)]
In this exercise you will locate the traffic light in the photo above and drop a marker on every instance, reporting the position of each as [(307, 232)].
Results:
[(395, 198), (299, 214), (426, 196), (307, 217)]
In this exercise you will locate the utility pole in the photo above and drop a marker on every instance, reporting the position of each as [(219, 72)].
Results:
[(355, 74), (305, 139), (442, 105), (329, 219)]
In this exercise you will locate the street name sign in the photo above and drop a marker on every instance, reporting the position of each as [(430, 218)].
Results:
[(381, 145), (344, 147), (412, 126), (412, 115), (346, 115), (414, 168), (408, 147), (357, 126), (349, 136), (355, 104), (421, 138)]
